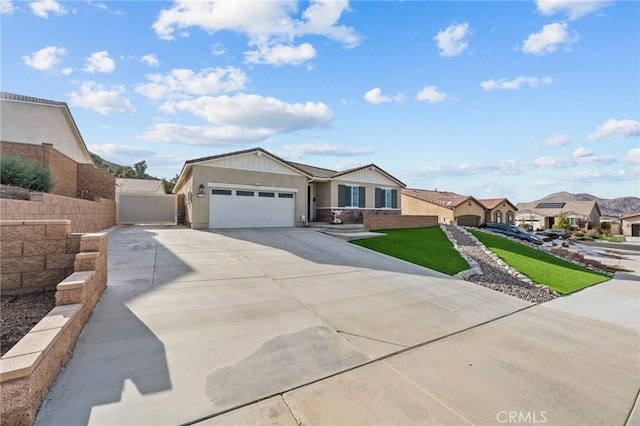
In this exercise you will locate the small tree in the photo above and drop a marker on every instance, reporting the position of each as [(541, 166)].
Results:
[(561, 221), (16, 171), (141, 169), (606, 228)]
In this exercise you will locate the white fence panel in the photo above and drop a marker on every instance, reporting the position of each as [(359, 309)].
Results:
[(151, 209)]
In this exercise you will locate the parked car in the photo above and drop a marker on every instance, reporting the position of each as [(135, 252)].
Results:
[(557, 233), (514, 231)]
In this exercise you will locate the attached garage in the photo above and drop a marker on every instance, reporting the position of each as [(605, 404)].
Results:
[(468, 220), (251, 208)]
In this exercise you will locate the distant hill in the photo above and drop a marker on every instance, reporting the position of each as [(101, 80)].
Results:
[(609, 207)]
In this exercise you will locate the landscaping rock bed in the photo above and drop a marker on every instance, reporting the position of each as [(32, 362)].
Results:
[(489, 271)]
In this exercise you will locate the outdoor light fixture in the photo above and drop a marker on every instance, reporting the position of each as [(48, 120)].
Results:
[(200, 193)]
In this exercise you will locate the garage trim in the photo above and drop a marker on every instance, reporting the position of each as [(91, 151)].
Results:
[(250, 187)]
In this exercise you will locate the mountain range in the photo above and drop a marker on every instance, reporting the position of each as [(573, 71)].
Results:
[(621, 206)]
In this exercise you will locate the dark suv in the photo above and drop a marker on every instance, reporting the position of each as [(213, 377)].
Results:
[(513, 231)]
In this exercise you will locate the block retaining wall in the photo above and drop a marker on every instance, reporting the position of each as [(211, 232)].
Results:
[(399, 222), (30, 367), (85, 215)]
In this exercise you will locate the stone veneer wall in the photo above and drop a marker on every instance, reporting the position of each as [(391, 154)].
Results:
[(348, 215), (85, 215), (70, 179), (36, 255), (29, 368), (399, 222)]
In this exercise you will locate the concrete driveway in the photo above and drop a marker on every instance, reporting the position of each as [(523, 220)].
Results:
[(288, 326)]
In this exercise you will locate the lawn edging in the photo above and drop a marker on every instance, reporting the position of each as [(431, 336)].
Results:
[(474, 268)]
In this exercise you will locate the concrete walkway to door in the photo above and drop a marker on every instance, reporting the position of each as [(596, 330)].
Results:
[(287, 326)]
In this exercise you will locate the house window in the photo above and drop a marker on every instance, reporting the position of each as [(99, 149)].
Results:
[(284, 195), (221, 192), (245, 193), (510, 218), (266, 194), (497, 216), (386, 198), (351, 196)]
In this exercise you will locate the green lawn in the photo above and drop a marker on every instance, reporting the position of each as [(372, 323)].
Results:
[(428, 247), (542, 268)]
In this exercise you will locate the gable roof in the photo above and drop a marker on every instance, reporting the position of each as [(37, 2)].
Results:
[(450, 200), (583, 208), (13, 97), (312, 172), (492, 203)]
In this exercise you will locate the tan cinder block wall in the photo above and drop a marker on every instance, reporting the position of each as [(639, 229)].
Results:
[(85, 215), (36, 255), (399, 222), (63, 169), (96, 182), (29, 368)]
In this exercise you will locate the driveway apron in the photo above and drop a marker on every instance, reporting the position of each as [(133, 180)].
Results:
[(290, 325)]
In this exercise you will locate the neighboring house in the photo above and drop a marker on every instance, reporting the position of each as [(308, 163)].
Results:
[(255, 188), (44, 131), (499, 210), (631, 225), (542, 215), (451, 208), (139, 187)]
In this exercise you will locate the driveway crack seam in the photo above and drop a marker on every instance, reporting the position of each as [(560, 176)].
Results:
[(293, 414), (372, 338), (427, 393)]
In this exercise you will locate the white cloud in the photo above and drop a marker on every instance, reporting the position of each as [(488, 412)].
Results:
[(632, 157), (269, 25), (203, 135), (452, 41), (349, 163), (181, 82), (151, 60), (42, 8), (297, 151), (239, 119), (582, 152), (616, 129), (375, 96), (46, 58), (257, 112), (555, 141), (100, 99), (7, 7), (99, 62), (281, 54), (217, 49), (115, 152), (548, 39), (515, 84), (430, 94), (573, 8)]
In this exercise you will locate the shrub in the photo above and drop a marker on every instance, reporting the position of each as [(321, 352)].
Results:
[(16, 171)]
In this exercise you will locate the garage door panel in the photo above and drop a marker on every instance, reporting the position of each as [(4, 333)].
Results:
[(238, 211)]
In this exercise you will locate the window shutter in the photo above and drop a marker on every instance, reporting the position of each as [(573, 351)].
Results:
[(378, 198), (344, 195), (394, 198), (361, 201)]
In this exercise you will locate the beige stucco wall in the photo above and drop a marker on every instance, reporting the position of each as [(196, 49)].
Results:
[(490, 214), (197, 211), (627, 222), (37, 124), (369, 192), (413, 207), (323, 194)]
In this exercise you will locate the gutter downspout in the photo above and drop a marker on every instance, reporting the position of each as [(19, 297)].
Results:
[(306, 202)]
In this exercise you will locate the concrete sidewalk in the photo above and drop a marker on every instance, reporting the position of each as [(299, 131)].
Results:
[(292, 326)]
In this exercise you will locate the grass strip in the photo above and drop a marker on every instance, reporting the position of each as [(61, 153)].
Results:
[(428, 247), (543, 268)]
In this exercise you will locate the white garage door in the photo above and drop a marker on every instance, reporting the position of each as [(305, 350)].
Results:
[(242, 208)]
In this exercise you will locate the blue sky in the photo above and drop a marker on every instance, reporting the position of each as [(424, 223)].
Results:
[(490, 99)]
